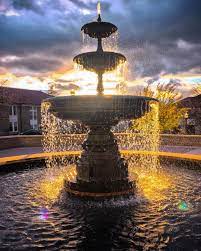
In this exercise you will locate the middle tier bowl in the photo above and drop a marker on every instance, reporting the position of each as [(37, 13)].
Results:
[(104, 110), (99, 29), (100, 61)]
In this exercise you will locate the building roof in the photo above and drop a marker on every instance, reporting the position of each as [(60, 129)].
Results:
[(21, 96), (191, 102)]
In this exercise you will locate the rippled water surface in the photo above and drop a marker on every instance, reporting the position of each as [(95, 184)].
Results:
[(165, 214)]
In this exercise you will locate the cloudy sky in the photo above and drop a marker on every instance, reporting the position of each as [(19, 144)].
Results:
[(160, 38)]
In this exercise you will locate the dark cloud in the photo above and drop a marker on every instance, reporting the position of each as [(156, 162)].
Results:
[(151, 59), (82, 4), (27, 5), (158, 20), (153, 29), (42, 65)]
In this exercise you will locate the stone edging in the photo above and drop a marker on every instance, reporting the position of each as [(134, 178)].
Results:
[(39, 156)]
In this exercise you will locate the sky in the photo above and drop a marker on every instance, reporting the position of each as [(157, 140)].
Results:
[(160, 38)]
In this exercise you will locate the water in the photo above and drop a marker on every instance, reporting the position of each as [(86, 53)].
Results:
[(114, 81), (59, 136), (165, 214), (109, 43), (141, 134)]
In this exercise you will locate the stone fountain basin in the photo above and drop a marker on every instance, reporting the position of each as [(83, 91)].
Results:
[(99, 29), (102, 109), (100, 61)]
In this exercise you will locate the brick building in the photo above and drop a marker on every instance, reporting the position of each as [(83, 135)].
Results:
[(192, 122), (20, 110)]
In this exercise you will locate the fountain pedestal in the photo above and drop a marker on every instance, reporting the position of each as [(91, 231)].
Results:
[(101, 169)]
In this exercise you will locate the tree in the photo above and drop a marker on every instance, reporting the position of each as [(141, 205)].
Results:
[(56, 88), (122, 88), (169, 113), (197, 90), (51, 90), (3, 82)]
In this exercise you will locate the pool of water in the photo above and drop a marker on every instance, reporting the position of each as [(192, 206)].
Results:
[(165, 214)]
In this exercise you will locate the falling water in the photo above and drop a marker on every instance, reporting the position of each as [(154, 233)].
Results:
[(67, 136), (111, 43), (117, 75), (87, 42), (60, 136), (135, 135), (140, 135), (78, 67)]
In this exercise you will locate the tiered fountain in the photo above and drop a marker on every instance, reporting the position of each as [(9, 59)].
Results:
[(101, 171)]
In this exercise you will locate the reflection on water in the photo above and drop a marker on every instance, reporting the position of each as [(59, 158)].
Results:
[(151, 185), (49, 187), (165, 213), (154, 185)]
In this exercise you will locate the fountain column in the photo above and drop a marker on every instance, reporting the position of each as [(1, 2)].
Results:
[(100, 88), (100, 167)]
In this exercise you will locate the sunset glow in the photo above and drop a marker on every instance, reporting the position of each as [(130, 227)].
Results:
[(85, 82), (39, 39)]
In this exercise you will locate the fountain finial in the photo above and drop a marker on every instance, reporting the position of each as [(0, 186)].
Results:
[(99, 11), (98, 8)]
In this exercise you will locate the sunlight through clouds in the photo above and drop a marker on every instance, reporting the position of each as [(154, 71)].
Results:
[(40, 37)]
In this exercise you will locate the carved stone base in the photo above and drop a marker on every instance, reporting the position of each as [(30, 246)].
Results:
[(101, 161), (100, 168), (93, 190)]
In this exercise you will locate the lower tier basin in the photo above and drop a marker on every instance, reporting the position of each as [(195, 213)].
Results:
[(165, 214), (101, 109)]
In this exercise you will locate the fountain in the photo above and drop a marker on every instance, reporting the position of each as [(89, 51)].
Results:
[(36, 214), (101, 171)]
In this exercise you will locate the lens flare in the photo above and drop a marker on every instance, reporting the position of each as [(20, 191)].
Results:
[(44, 214), (183, 206)]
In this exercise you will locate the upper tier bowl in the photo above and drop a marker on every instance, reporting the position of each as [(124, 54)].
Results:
[(99, 29), (102, 110), (99, 61)]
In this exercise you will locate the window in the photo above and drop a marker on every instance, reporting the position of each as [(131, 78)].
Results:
[(13, 119), (34, 118), (190, 122), (13, 110)]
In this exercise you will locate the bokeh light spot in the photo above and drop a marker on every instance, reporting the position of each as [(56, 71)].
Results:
[(44, 214), (183, 206)]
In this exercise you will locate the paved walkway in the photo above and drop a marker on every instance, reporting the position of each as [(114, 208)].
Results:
[(32, 150), (181, 149)]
